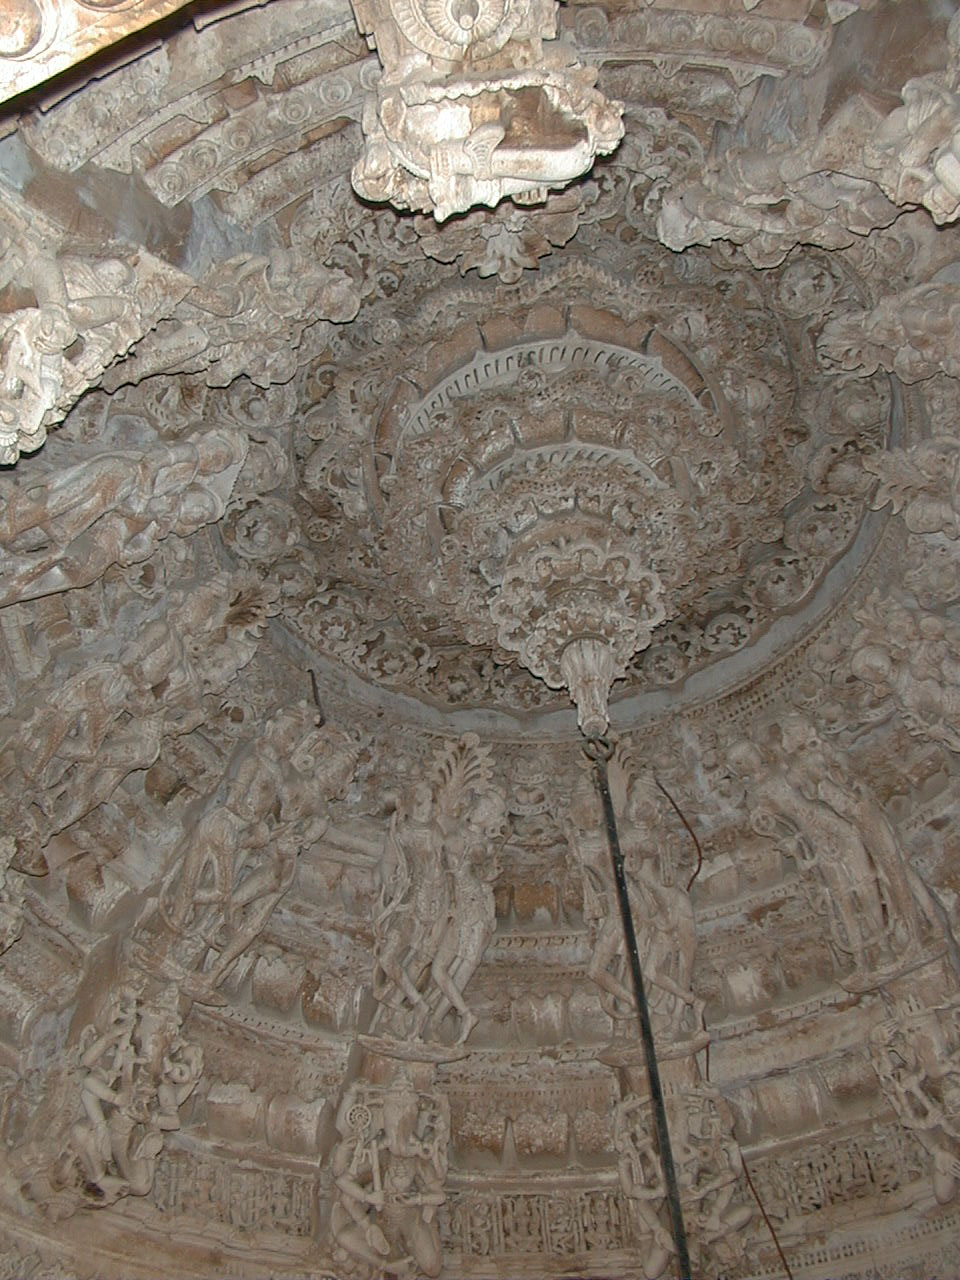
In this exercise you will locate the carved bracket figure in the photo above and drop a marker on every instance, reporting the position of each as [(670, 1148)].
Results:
[(478, 102)]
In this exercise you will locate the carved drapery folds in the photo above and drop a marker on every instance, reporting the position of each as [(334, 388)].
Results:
[(478, 101)]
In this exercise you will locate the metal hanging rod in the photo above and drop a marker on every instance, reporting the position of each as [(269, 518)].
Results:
[(599, 751)]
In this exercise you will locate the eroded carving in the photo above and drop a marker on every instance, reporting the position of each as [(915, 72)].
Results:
[(89, 312)]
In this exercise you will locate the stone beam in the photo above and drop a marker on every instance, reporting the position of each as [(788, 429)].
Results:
[(40, 38)]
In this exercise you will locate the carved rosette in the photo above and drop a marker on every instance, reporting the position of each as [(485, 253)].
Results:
[(677, 431), (576, 613)]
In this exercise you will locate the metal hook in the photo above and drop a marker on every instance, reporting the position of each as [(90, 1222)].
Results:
[(598, 749)]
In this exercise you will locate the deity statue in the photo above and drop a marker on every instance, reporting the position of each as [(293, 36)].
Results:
[(437, 914), (236, 863), (389, 1170), (66, 752), (880, 912)]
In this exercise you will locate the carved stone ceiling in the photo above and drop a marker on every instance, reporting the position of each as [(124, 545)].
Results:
[(311, 960)]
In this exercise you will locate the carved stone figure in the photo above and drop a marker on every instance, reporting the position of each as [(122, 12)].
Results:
[(106, 303), (237, 861), (247, 319), (389, 1170), (129, 1075), (662, 914), (851, 176), (880, 912), (916, 1055), (441, 137), (114, 509), (709, 1172), (471, 922), (437, 914), (63, 755)]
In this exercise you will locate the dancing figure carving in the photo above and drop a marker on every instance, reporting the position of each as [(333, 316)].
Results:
[(437, 914), (240, 858)]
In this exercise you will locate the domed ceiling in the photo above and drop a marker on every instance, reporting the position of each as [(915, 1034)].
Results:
[(321, 510)]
